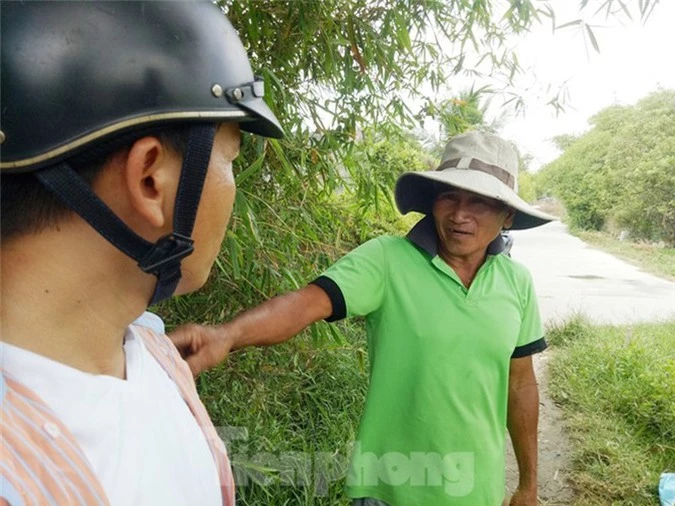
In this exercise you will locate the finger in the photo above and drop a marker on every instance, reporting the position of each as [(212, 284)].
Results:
[(205, 357), (198, 363), (183, 338)]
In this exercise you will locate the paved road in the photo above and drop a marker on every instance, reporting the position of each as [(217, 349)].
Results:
[(569, 277)]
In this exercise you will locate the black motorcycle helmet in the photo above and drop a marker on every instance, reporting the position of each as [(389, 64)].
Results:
[(75, 75)]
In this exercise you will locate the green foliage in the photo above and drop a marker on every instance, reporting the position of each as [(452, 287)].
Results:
[(339, 65), (295, 410), (622, 171), (383, 157), (527, 185), (564, 141), (649, 210), (617, 386), (457, 115), (527, 189), (567, 332), (579, 179)]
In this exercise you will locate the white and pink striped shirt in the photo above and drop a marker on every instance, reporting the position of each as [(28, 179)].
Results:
[(38, 468)]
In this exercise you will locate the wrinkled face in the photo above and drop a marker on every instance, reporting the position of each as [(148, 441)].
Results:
[(215, 209), (467, 223)]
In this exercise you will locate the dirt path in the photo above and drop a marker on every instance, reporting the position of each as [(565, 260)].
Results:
[(569, 277)]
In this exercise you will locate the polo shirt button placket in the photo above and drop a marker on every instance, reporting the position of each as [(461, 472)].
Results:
[(470, 301), (470, 296)]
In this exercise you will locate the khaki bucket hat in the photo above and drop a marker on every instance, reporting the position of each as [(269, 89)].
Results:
[(478, 162)]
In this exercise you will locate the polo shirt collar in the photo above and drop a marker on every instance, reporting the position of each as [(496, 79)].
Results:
[(424, 236)]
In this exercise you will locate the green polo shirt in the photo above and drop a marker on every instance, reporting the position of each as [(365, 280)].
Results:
[(433, 428)]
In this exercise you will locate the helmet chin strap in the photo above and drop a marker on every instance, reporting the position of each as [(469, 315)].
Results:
[(162, 258)]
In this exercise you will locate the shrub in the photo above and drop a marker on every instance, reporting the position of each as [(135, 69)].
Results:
[(617, 387)]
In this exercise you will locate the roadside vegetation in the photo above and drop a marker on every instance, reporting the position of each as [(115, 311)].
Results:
[(616, 386), (289, 416), (619, 177)]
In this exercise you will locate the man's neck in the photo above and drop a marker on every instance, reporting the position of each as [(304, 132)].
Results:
[(72, 305), (465, 267)]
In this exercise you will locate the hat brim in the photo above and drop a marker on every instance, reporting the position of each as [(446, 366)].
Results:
[(263, 121), (415, 191)]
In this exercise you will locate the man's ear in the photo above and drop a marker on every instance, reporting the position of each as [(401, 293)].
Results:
[(151, 176), (510, 215)]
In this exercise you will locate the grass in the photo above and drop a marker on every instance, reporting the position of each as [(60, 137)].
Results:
[(617, 389), (290, 413), (652, 258)]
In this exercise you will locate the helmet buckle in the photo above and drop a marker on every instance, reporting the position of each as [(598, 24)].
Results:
[(166, 253)]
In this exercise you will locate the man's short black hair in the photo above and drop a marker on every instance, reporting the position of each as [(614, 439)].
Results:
[(27, 207)]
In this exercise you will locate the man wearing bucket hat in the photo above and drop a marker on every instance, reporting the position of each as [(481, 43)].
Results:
[(119, 125), (451, 326)]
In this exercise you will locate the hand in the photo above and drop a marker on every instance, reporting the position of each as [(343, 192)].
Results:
[(202, 346), (524, 497)]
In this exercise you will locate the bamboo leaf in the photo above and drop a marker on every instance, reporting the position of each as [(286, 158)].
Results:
[(591, 36), (251, 170), (576, 22)]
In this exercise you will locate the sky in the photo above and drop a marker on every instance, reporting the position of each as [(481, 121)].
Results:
[(634, 60)]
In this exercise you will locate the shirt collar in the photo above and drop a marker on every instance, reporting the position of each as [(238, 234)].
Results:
[(424, 236)]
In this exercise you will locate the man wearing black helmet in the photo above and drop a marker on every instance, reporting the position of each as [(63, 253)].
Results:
[(118, 128)]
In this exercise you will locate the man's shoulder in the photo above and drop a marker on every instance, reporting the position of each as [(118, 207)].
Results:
[(385, 240), (381, 245), (514, 269), (150, 321), (394, 243), (149, 328)]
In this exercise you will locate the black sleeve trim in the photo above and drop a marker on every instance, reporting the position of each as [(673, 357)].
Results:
[(335, 295), (530, 348)]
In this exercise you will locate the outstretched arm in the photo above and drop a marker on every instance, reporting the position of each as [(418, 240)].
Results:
[(272, 322), (522, 421)]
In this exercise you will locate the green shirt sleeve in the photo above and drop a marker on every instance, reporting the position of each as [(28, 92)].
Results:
[(360, 277)]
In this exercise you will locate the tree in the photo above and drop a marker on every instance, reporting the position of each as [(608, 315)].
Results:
[(622, 171), (455, 116), (527, 189)]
